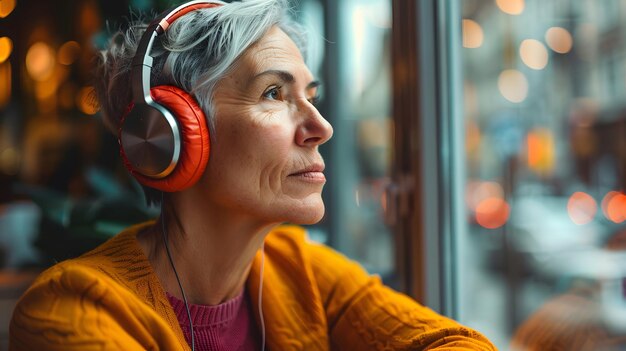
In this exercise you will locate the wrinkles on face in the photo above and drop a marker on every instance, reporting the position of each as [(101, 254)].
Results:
[(276, 54), (256, 151), (229, 96), (270, 183)]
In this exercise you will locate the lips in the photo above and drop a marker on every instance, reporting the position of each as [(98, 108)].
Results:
[(315, 168), (313, 173)]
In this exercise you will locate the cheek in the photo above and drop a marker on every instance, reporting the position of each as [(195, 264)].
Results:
[(252, 148), (270, 150), (275, 137), (268, 133)]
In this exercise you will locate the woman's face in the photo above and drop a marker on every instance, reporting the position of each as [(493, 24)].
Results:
[(264, 161)]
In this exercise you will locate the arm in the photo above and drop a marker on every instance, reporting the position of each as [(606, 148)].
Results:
[(363, 314), (76, 308)]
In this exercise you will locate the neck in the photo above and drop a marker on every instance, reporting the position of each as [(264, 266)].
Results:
[(212, 250)]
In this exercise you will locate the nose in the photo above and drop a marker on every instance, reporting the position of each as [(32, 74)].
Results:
[(313, 129)]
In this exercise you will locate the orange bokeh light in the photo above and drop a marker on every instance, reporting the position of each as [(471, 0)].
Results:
[(472, 34), (6, 46), (540, 150), (581, 208), (85, 100), (559, 39), (535, 149), (68, 53), (534, 54), (40, 61), (6, 7), (492, 213), (511, 7), (478, 191), (614, 206), (5, 83)]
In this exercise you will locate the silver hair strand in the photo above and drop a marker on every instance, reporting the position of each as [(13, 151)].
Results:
[(196, 52)]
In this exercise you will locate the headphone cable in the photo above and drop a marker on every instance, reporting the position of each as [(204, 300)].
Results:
[(261, 297), (182, 291)]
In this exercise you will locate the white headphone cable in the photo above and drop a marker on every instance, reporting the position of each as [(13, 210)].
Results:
[(182, 291), (261, 297)]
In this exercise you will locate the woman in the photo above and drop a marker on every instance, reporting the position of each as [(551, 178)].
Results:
[(194, 278)]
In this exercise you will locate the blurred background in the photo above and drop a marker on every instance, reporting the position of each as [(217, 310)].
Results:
[(478, 162)]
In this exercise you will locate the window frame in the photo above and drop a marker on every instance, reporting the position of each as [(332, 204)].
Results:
[(428, 168)]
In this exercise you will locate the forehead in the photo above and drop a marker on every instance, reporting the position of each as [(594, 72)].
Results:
[(275, 50)]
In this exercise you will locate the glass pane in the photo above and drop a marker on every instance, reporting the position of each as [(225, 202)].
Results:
[(353, 62), (360, 152), (545, 117)]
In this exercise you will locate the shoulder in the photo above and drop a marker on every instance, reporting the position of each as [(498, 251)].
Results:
[(87, 277), (64, 302), (290, 245), (66, 280), (99, 275), (120, 258), (85, 300), (293, 241)]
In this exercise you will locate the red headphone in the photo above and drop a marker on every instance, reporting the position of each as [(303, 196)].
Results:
[(163, 137)]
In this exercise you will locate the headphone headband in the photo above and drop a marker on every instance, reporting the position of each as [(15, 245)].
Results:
[(141, 67)]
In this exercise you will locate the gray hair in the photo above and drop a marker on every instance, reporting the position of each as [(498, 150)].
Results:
[(195, 53)]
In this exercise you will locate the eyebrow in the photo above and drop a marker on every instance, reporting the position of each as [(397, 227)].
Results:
[(286, 77)]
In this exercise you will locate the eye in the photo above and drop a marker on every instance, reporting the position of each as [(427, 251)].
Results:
[(314, 100), (273, 93)]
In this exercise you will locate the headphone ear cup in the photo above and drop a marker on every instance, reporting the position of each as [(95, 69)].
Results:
[(195, 142)]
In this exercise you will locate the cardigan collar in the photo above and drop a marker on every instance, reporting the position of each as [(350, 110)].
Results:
[(291, 303), (292, 306)]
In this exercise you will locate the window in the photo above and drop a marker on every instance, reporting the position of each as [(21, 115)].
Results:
[(545, 162), (356, 99)]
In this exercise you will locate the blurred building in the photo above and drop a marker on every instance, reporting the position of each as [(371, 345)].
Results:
[(545, 114)]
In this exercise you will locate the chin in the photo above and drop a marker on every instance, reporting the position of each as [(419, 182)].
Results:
[(306, 215)]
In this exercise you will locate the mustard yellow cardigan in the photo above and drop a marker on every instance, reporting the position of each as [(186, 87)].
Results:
[(313, 299)]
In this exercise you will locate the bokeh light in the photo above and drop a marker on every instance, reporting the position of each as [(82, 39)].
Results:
[(559, 39), (6, 46), (513, 85), (89, 18), (6, 7), (492, 213), (614, 206), (473, 35), (5, 83), (581, 208), (478, 191), (540, 150), (68, 53), (40, 61), (86, 102), (534, 54), (511, 7)]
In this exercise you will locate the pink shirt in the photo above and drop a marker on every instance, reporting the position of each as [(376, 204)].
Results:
[(224, 327)]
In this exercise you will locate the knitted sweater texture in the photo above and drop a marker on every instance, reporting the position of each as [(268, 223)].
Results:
[(228, 326), (313, 299)]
